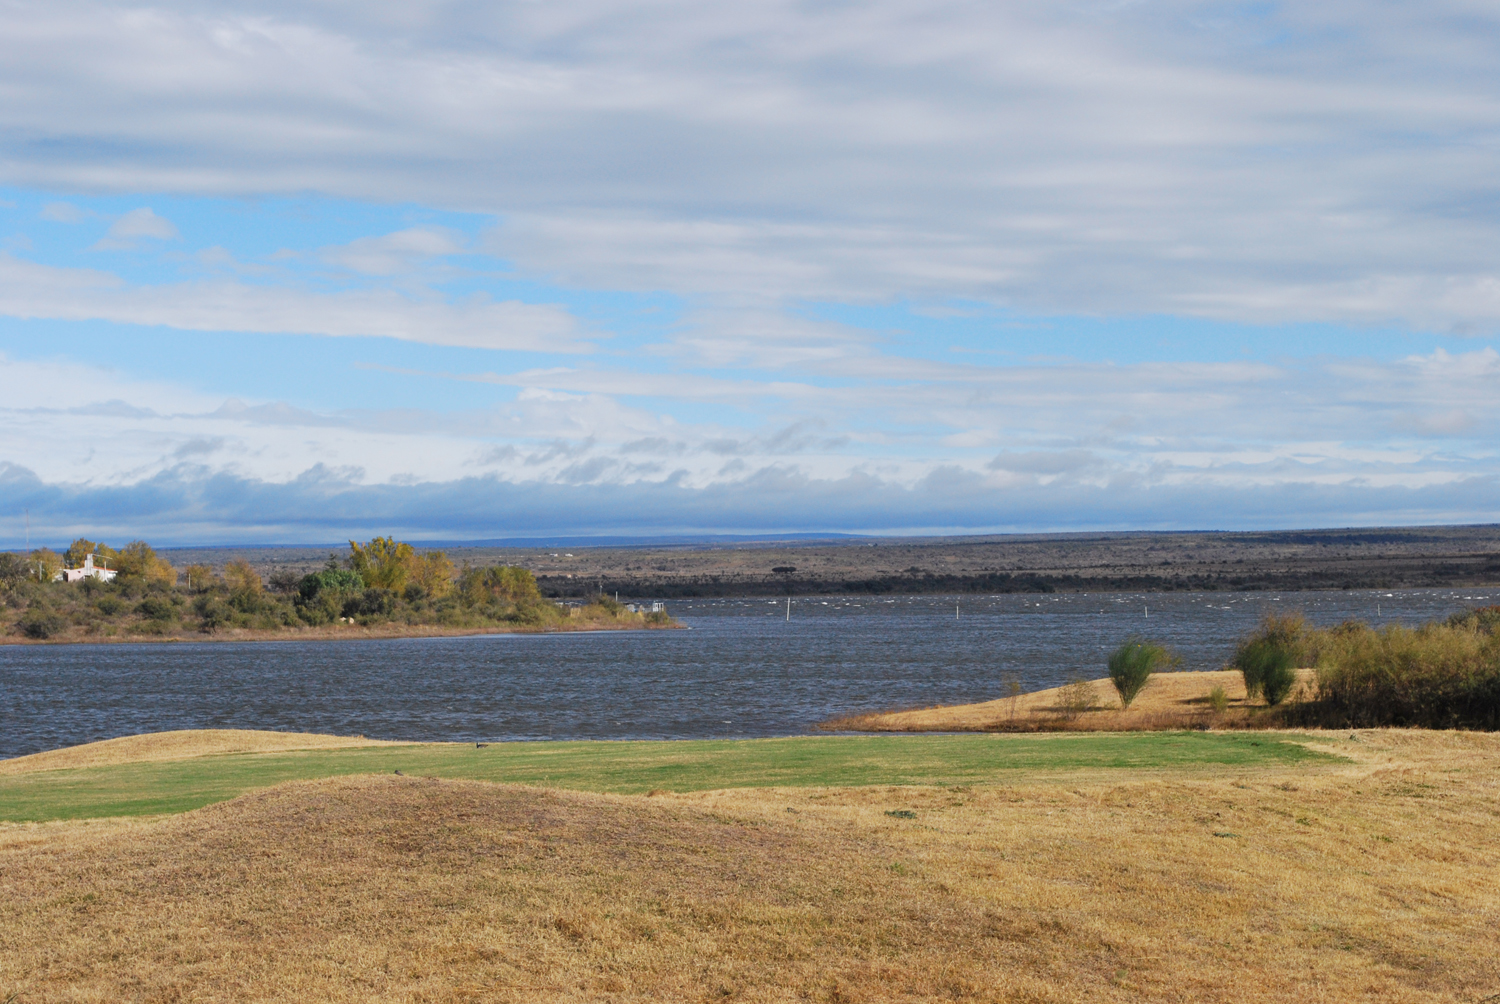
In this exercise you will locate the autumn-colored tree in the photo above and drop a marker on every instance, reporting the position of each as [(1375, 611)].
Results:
[(199, 577), (137, 561), (383, 563), (241, 578), (506, 583), (44, 564), (433, 572), (81, 548)]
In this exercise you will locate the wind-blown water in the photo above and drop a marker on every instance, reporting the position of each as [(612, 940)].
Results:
[(740, 670)]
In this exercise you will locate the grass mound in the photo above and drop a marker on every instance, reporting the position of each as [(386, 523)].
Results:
[(181, 744), (1355, 885)]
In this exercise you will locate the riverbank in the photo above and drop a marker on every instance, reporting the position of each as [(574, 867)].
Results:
[(1169, 701), (335, 632), (1094, 867)]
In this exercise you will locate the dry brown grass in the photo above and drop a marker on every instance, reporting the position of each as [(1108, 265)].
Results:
[(1169, 701), (183, 744), (1372, 882)]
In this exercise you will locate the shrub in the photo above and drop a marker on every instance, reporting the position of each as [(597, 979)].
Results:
[(1132, 664), (335, 580), (1441, 675), (1218, 699), (13, 569), (39, 622), (155, 608), (1078, 696), (1268, 659), (372, 603), (213, 612), (284, 581)]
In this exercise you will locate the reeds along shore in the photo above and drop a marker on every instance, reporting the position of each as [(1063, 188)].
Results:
[(383, 589), (1443, 675)]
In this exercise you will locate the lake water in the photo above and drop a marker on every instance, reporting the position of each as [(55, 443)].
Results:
[(742, 669)]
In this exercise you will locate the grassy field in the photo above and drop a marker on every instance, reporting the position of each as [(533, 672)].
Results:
[(1321, 867), (143, 788)]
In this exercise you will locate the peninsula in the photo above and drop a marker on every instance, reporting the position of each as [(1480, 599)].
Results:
[(383, 588)]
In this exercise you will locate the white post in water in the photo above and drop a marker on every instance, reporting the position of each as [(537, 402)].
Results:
[(789, 609), (1148, 611), (955, 611)]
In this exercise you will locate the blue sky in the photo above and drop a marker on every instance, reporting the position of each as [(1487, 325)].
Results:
[(290, 272)]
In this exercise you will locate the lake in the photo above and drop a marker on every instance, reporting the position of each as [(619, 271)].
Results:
[(742, 669)]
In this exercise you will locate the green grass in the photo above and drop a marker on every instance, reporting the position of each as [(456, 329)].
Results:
[(635, 767)]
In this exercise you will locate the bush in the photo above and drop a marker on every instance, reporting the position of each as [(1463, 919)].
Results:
[(1268, 659), (39, 623), (1132, 664), (155, 608), (1218, 700), (1078, 696), (1442, 675), (13, 569), (213, 612), (335, 580), (370, 604), (284, 581)]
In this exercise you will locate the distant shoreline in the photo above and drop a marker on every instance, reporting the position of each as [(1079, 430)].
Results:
[(332, 632)]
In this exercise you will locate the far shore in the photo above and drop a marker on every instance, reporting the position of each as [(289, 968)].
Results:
[(328, 632)]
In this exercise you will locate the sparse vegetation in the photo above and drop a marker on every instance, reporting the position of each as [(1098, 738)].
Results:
[(1218, 699), (383, 585), (1078, 696)]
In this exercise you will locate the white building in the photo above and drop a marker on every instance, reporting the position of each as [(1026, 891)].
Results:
[(88, 571)]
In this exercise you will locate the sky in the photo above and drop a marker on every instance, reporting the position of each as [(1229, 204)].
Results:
[(294, 273)]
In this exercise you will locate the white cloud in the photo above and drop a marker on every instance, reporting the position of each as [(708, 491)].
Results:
[(397, 253), (30, 290), (63, 212), (127, 232), (1296, 162)]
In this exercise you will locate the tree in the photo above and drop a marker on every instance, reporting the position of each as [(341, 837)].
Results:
[(383, 563), (505, 583), (44, 563), (241, 578), (1132, 664), (1268, 658), (137, 561), (81, 548), (199, 577), (433, 572)]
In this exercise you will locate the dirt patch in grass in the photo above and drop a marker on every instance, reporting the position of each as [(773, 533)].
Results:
[(1169, 701), (183, 744), (1365, 884)]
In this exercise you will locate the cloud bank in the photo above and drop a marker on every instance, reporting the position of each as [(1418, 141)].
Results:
[(1256, 162)]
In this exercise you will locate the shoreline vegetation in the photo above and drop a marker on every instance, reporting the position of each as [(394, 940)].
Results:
[(1286, 674), (380, 589)]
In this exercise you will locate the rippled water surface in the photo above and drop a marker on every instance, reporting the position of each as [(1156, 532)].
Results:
[(741, 668)]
